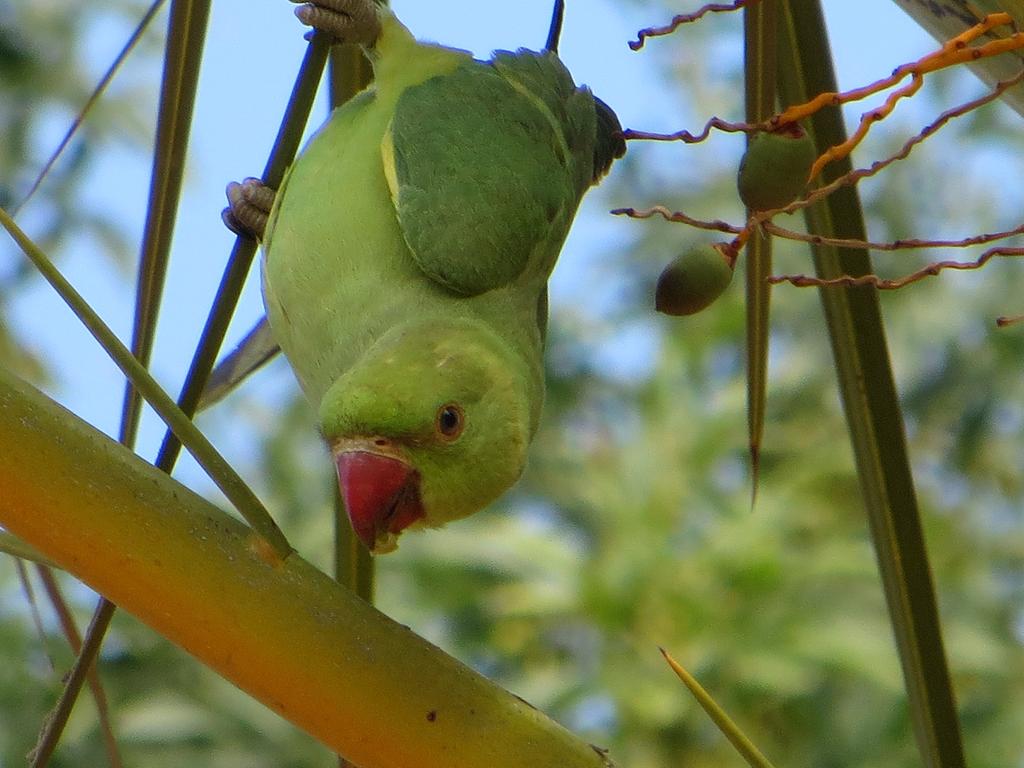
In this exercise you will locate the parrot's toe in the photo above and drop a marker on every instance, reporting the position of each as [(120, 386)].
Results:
[(249, 205), (351, 21)]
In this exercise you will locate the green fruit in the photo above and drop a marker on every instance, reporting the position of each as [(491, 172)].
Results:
[(693, 281), (774, 169)]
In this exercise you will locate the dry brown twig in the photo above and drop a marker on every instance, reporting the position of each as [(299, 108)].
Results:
[(678, 216), (954, 51), (880, 283), (853, 177), (788, 234), (894, 245), (958, 50), (685, 18), (690, 138)]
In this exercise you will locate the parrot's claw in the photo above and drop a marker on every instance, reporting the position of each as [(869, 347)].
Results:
[(249, 205), (350, 21)]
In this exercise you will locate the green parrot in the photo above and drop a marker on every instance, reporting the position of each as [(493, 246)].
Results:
[(405, 268)]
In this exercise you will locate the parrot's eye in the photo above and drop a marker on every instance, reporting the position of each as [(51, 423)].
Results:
[(450, 421)]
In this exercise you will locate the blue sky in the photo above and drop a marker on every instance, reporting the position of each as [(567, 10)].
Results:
[(249, 65)]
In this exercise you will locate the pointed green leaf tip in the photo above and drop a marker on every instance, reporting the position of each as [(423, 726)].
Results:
[(693, 281), (774, 169), (729, 729)]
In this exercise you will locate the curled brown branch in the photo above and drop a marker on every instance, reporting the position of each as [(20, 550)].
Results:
[(691, 138), (678, 216), (685, 18), (952, 52), (805, 281), (894, 245), (853, 177)]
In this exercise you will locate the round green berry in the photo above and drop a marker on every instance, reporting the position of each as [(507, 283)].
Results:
[(774, 169), (693, 281)]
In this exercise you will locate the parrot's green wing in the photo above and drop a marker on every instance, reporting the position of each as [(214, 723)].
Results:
[(572, 110), (483, 198)]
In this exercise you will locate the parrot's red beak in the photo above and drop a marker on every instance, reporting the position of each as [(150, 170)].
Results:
[(382, 496)]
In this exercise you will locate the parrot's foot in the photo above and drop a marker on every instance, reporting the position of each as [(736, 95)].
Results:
[(350, 21), (249, 205)]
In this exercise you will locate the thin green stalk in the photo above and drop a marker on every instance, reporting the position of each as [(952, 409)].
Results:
[(353, 564), (182, 58), (760, 40), (222, 474), (747, 749), (186, 32), (12, 545), (872, 405), (350, 73), (94, 97)]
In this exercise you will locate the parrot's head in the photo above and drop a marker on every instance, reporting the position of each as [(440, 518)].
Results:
[(432, 424)]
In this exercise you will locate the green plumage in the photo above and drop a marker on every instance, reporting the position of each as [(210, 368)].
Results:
[(448, 174), (407, 257)]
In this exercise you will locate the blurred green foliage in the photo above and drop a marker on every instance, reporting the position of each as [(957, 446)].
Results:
[(46, 75), (632, 528)]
